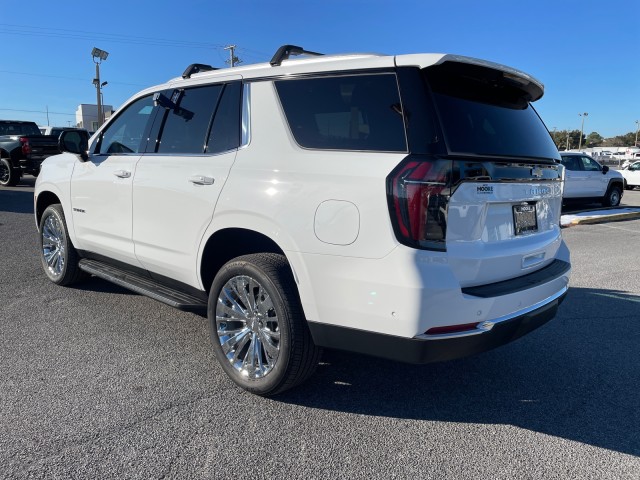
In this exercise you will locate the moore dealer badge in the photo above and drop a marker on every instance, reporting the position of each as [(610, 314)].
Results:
[(484, 189)]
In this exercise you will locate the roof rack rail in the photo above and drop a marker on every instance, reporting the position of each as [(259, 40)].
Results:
[(197, 68), (285, 51)]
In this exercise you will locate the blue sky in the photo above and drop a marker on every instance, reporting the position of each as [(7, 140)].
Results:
[(585, 52)]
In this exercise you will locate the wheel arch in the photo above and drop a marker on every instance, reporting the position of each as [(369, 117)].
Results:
[(43, 200), (231, 242), (616, 181)]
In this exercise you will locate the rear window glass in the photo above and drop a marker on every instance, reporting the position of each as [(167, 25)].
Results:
[(483, 113), (19, 129), (357, 112)]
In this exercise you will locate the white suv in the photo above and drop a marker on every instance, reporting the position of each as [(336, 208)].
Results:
[(405, 207), (587, 181)]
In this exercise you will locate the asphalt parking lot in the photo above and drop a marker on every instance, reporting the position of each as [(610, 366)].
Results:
[(98, 382)]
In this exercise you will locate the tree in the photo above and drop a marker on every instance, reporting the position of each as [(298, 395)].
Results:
[(626, 140), (557, 137), (594, 139), (575, 139)]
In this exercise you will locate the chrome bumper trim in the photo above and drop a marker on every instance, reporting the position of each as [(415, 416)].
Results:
[(487, 325)]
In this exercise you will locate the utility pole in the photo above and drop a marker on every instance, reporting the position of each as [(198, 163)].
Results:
[(635, 144), (567, 141), (232, 57), (583, 115)]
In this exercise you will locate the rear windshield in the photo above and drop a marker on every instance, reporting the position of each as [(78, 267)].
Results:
[(483, 113), (19, 129)]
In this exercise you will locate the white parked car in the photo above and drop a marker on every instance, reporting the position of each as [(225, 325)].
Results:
[(586, 181), (406, 207), (634, 157), (631, 175)]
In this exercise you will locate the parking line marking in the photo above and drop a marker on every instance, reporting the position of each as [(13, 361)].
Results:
[(619, 297)]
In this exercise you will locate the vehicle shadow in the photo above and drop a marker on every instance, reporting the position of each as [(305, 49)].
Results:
[(98, 285), (576, 378), (16, 201)]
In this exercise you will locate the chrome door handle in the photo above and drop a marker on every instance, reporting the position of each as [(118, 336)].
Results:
[(122, 173), (201, 180)]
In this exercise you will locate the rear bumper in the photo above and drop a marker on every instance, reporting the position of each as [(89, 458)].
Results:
[(437, 348), (30, 165), (409, 292)]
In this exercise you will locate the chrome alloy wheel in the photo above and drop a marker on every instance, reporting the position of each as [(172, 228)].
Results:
[(53, 249), (247, 327)]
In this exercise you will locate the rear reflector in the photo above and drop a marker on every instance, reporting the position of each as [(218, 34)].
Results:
[(452, 329)]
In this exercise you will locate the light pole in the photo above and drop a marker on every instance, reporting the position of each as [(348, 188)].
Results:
[(583, 115), (635, 144), (104, 114), (98, 56)]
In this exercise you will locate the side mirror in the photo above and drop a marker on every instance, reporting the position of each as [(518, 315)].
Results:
[(605, 169), (74, 141)]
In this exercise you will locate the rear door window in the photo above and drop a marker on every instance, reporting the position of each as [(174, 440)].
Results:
[(351, 112), (187, 124), (225, 131), (199, 120), (571, 162)]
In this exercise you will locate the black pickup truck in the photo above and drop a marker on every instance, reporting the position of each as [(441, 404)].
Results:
[(22, 149)]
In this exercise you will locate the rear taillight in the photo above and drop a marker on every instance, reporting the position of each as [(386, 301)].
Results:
[(26, 148), (418, 192)]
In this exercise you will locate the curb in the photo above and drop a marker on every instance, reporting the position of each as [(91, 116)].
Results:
[(603, 219)]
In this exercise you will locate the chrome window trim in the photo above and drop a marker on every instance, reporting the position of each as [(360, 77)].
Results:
[(246, 115)]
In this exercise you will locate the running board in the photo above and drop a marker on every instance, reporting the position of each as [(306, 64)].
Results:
[(142, 285)]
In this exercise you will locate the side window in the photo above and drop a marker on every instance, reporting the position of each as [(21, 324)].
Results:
[(590, 165), (225, 132), (125, 134), (186, 126), (571, 163), (351, 112)]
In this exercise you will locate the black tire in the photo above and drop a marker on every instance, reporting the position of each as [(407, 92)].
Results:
[(254, 308), (9, 176), (57, 254), (613, 196)]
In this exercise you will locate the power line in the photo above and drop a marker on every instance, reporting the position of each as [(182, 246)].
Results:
[(37, 111), (66, 78), (27, 30)]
